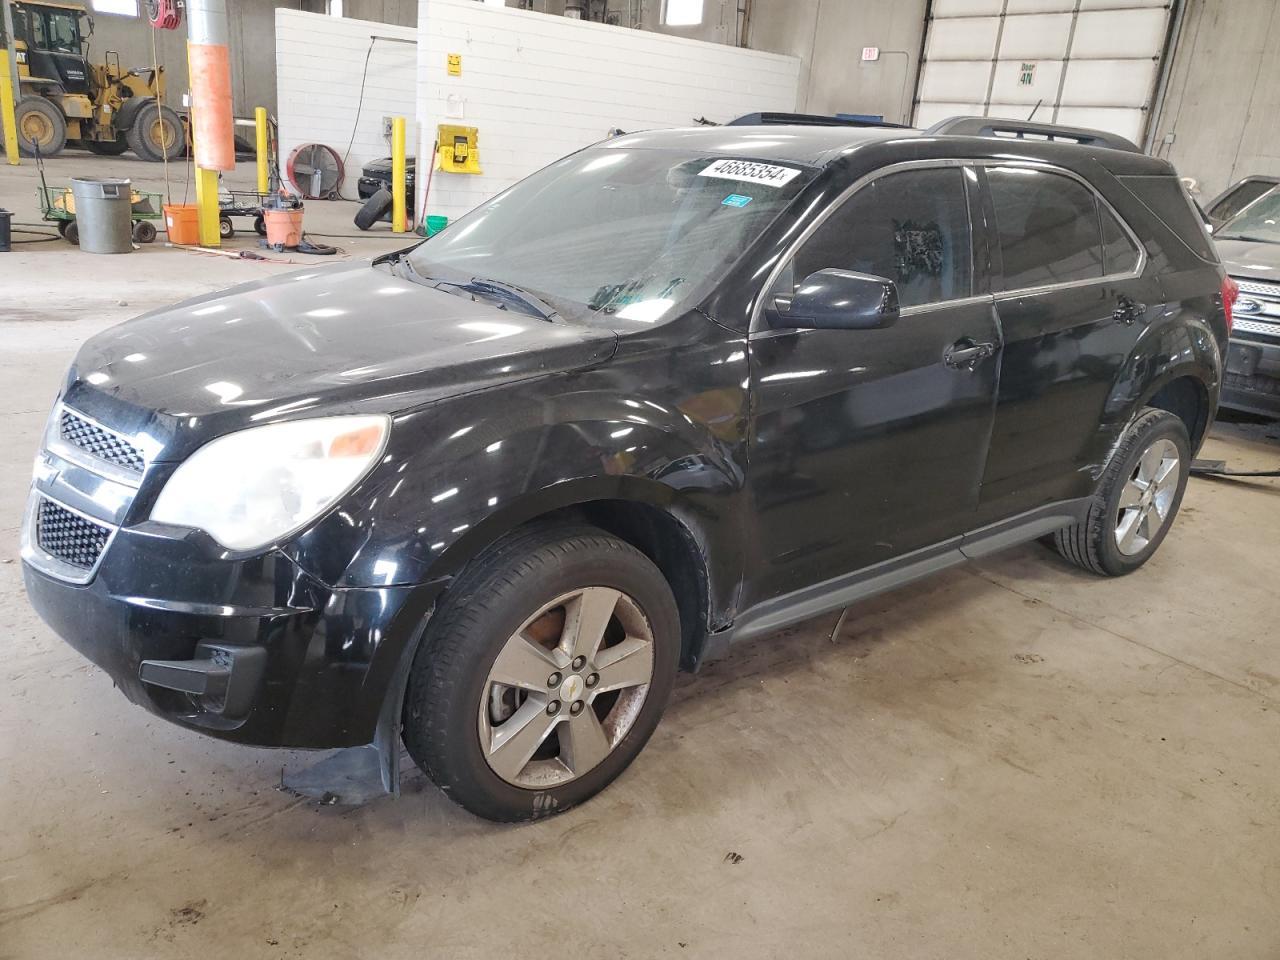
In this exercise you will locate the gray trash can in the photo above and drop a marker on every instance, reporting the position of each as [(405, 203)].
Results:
[(103, 214)]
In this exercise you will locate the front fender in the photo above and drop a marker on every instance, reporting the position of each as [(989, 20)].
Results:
[(458, 475)]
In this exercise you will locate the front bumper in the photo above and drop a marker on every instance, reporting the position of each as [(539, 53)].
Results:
[(303, 665), (253, 649), (1252, 378)]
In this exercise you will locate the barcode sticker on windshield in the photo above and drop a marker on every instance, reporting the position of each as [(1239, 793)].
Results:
[(751, 172)]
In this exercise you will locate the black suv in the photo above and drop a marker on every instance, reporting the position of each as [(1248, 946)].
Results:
[(676, 390)]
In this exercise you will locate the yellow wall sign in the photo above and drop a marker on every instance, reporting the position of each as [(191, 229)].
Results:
[(455, 64)]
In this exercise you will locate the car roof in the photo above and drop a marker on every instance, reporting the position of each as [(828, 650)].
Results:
[(812, 145), (819, 146)]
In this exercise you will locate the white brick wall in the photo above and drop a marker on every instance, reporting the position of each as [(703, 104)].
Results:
[(536, 86), (319, 61), (539, 87)]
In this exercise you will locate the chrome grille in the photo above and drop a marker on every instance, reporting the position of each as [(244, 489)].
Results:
[(99, 441), (69, 537), (1258, 308)]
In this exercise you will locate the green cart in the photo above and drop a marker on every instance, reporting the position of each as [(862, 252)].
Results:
[(58, 206)]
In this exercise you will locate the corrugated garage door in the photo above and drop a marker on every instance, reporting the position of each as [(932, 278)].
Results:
[(1088, 63)]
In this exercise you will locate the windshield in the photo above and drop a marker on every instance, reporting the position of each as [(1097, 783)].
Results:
[(612, 230), (56, 30), (1260, 221)]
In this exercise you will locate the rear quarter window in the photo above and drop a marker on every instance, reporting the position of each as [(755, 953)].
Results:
[(1170, 203)]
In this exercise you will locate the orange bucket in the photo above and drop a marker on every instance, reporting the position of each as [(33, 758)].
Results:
[(182, 221), (284, 227)]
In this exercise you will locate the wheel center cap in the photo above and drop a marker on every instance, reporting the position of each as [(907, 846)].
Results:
[(572, 688)]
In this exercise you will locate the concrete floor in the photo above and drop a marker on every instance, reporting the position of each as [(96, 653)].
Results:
[(1013, 759)]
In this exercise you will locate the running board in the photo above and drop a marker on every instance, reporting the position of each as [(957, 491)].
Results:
[(792, 608)]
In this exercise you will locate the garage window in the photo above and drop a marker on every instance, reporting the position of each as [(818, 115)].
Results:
[(910, 227), (1048, 228)]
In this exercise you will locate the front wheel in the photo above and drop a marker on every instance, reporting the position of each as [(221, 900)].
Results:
[(543, 673), (1137, 498)]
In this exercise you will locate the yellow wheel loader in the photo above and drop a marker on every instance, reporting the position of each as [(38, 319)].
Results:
[(66, 99)]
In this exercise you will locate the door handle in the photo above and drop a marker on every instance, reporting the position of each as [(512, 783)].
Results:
[(965, 354), (1127, 311)]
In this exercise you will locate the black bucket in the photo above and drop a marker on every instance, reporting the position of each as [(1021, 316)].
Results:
[(6, 238)]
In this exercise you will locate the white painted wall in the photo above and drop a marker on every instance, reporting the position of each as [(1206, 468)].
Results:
[(319, 63), (540, 87)]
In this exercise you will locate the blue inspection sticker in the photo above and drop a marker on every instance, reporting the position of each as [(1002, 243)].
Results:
[(735, 200)]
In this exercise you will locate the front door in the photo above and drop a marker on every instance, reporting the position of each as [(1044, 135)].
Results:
[(868, 444)]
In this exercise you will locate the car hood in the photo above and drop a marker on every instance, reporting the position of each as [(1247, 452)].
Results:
[(336, 339), (1249, 258)]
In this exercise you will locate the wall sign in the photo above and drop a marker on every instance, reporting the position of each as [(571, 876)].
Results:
[(870, 53), (455, 64), (1028, 75)]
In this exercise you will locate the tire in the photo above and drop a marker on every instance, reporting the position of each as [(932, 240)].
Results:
[(71, 233), (374, 209), (107, 148), (40, 123), (1113, 540), (226, 229), (260, 226), (143, 136), (513, 587), (144, 231)]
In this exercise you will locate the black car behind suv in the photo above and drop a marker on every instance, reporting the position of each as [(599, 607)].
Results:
[(676, 390)]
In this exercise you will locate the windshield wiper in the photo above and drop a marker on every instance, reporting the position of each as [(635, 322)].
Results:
[(510, 292), (1247, 238)]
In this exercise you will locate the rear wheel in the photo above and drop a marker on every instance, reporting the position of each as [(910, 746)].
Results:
[(543, 673), (70, 232), (144, 231), (40, 126), (156, 135), (226, 228), (1136, 500)]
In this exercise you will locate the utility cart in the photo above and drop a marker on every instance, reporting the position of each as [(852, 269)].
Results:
[(240, 203), (58, 206)]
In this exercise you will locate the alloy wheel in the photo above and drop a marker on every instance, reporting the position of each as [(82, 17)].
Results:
[(1146, 500), (566, 687)]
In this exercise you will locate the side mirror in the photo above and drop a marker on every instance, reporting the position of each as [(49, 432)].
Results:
[(837, 300)]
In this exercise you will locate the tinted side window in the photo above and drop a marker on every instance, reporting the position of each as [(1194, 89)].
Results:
[(1168, 199), (1047, 225), (1118, 252), (910, 227)]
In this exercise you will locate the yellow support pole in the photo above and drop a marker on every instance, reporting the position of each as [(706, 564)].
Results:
[(260, 122), (7, 115), (397, 175), (207, 204)]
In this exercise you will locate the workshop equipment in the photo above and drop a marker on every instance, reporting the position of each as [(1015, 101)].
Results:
[(182, 220), (458, 149), (58, 206), (316, 171), (100, 106), (102, 214), (6, 237), (282, 217)]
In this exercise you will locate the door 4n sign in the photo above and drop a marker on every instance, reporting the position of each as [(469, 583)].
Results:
[(1028, 75)]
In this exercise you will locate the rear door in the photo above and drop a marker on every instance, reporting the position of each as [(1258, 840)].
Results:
[(867, 444), (1072, 302)]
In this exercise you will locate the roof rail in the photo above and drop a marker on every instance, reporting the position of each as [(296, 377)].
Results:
[(1026, 129), (772, 118)]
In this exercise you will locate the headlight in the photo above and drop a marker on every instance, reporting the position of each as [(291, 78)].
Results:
[(250, 488)]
